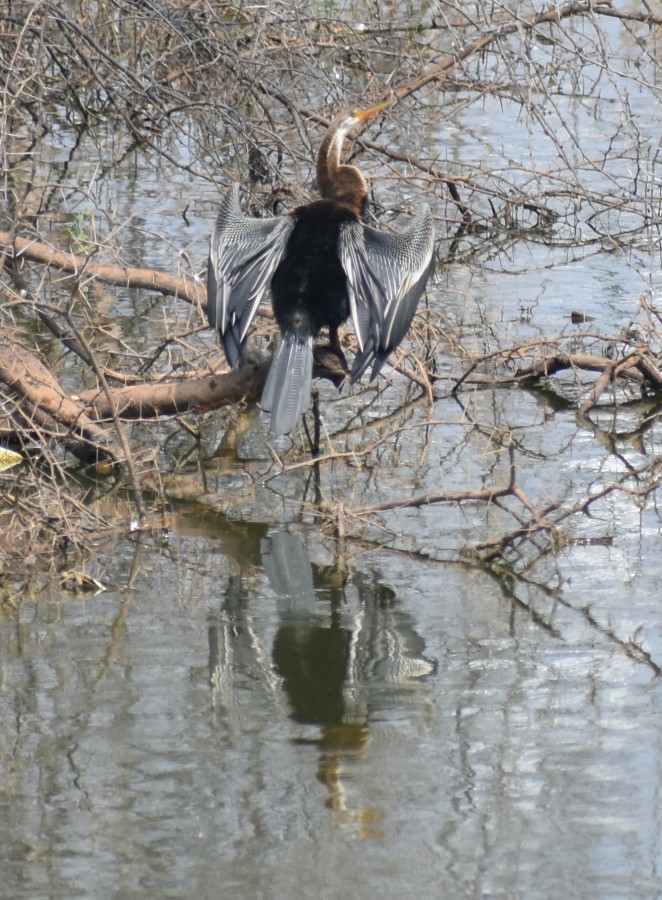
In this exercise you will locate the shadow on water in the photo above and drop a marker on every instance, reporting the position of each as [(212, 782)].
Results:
[(335, 668)]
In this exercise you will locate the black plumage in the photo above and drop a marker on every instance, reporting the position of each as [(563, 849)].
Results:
[(322, 265)]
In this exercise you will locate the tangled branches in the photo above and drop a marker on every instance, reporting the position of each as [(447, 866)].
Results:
[(120, 122)]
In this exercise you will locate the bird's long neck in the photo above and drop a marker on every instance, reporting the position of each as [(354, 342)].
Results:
[(335, 181)]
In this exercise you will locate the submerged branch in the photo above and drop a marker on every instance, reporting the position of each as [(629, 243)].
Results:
[(637, 366)]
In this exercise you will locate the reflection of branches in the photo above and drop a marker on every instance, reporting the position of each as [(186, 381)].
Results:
[(512, 586), (511, 550), (481, 496)]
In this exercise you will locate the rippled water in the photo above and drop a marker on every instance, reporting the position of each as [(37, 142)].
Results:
[(267, 725)]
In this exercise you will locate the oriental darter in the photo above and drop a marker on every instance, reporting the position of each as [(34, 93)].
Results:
[(322, 265)]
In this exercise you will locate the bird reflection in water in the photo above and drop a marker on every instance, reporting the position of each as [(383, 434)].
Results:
[(336, 661), (322, 265)]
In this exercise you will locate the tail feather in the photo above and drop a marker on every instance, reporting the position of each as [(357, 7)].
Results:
[(287, 391), (234, 348)]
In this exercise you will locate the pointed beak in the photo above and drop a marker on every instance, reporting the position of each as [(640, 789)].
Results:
[(363, 114)]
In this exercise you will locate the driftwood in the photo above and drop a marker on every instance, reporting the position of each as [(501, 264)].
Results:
[(42, 405), (200, 393), (638, 366), (197, 394)]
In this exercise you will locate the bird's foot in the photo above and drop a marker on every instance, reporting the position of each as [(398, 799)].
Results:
[(330, 363)]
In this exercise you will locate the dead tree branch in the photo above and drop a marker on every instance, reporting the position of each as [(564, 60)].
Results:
[(43, 402), (120, 276), (483, 41)]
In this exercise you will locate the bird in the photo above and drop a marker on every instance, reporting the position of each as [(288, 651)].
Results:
[(322, 265)]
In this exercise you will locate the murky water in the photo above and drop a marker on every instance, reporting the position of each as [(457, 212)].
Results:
[(254, 709)]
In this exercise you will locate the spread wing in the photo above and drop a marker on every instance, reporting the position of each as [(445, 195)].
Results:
[(386, 274), (244, 254)]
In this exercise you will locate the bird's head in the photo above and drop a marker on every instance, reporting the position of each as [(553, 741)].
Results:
[(354, 117), (341, 182)]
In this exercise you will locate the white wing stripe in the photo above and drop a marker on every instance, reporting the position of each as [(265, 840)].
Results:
[(386, 274), (244, 255)]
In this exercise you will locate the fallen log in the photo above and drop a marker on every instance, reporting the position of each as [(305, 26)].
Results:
[(42, 406)]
